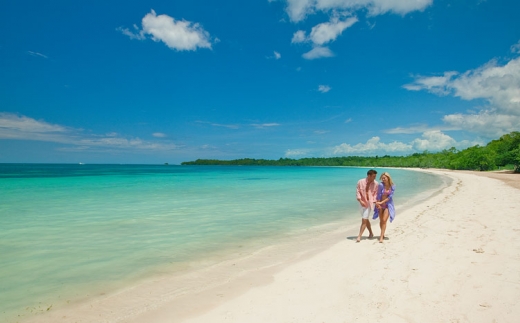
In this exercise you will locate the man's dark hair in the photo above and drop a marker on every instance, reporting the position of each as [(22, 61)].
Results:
[(371, 172)]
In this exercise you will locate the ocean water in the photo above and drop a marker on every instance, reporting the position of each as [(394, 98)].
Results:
[(68, 230)]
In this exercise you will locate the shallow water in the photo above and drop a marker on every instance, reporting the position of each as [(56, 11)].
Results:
[(68, 229)]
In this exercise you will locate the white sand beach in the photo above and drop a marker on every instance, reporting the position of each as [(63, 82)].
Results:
[(452, 258)]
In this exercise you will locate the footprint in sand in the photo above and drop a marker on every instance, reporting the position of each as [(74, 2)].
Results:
[(479, 250)]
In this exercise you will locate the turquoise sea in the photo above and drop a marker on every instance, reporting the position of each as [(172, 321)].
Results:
[(67, 230)]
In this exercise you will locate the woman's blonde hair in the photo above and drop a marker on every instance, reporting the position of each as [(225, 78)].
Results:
[(390, 181)]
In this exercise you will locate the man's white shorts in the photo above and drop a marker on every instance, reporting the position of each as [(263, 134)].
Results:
[(365, 212)]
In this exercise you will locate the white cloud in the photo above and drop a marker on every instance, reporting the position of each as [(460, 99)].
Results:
[(373, 145), (433, 140), (159, 135), (516, 48), (500, 85), (318, 52), (265, 125), (322, 34), (35, 54), (237, 126), (419, 129), (137, 34), (176, 34), (12, 125), (349, 120), (299, 37), (407, 130), (15, 127), (123, 143), (329, 31), (497, 84), (291, 153), (435, 84), (276, 55), (489, 124), (229, 126), (323, 88), (298, 10)]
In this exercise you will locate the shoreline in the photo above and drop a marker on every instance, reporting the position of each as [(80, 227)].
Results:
[(283, 278), (185, 294), (452, 258), (188, 291)]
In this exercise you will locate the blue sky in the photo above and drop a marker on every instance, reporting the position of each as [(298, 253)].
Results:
[(171, 81)]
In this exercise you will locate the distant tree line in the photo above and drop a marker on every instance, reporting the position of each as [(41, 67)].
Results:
[(500, 153)]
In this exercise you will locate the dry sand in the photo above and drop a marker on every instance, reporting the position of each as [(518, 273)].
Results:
[(452, 258)]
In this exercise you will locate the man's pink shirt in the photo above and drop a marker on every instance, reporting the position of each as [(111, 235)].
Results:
[(372, 192)]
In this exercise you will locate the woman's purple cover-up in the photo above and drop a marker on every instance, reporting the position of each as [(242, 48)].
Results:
[(391, 208)]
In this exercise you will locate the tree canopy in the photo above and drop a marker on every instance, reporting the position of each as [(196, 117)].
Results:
[(500, 153)]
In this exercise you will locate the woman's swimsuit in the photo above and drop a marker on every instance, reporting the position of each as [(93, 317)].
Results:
[(385, 195)]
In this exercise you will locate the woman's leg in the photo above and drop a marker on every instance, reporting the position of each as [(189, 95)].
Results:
[(382, 223)]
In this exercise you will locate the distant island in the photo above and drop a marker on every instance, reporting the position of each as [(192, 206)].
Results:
[(503, 153)]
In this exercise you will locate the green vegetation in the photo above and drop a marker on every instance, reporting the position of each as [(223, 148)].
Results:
[(503, 153)]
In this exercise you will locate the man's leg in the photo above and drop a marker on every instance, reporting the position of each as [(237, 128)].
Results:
[(369, 227), (365, 212), (361, 229)]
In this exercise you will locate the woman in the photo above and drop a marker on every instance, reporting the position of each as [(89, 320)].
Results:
[(384, 203)]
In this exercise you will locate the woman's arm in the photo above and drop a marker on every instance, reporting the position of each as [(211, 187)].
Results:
[(380, 189)]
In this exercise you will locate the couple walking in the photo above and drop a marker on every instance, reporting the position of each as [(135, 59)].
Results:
[(376, 197)]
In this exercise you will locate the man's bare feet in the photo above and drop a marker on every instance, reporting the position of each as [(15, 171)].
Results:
[(371, 236), (358, 239)]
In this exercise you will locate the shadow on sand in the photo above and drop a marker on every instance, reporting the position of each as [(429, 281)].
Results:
[(354, 238)]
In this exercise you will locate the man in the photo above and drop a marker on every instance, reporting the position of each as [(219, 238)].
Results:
[(366, 192)]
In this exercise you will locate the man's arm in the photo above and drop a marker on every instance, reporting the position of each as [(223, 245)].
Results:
[(359, 189)]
